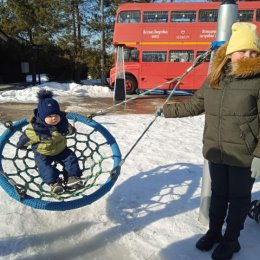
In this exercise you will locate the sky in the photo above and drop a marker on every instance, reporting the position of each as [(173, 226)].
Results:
[(152, 211)]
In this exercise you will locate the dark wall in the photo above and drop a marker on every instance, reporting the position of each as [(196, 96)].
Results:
[(48, 60), (10, 63)]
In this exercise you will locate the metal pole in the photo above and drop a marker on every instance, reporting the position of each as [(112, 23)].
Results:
[(119, 86), (227, 15), (33, 68), (38, 64), (102, 59)]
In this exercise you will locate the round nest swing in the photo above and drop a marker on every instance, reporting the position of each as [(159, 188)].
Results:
[(99, 159)]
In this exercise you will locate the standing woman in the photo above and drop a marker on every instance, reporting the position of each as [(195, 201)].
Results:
[(230, 98)]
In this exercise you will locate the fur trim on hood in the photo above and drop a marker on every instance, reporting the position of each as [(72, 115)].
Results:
[(244, 68)]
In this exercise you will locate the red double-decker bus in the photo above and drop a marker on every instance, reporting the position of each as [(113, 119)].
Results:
[(161, 40)]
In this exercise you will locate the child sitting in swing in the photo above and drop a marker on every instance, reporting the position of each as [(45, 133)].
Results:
[(46, 134)]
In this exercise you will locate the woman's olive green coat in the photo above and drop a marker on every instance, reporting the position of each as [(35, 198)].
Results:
[(231, 132)]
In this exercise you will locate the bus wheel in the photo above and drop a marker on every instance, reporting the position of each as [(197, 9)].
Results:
[(130, 84)]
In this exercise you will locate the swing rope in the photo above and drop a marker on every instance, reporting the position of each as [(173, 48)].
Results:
[(24, 184), (199, 60), (106, 110)]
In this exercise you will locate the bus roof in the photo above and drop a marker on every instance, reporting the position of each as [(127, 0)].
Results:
[(183, 5), (197, 32)]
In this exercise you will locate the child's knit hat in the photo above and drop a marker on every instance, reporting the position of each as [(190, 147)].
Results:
[(244, 37), (47, 105)]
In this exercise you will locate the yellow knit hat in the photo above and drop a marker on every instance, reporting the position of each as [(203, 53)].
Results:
[(244, 37)]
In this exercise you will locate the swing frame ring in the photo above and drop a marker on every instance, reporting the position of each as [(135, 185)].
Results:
[(38, 203)]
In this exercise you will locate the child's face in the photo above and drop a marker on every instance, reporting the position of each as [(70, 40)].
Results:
[(52, 119), (237, 55)]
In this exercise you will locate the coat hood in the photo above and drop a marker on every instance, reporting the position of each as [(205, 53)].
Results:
[(244, 68)]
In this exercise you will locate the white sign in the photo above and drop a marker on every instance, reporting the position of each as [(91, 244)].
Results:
[(155, 34), (206, 34)]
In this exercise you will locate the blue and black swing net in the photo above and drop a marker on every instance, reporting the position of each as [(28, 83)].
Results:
[(99, 158)]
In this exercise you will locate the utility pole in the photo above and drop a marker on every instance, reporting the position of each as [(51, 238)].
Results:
[(102, 58)]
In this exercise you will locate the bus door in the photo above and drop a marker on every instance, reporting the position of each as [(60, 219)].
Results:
[(154, 68)]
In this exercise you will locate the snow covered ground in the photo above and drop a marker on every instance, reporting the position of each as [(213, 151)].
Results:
[(150, 213)]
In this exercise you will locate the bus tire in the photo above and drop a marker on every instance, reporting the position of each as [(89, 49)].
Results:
[(130, 84)]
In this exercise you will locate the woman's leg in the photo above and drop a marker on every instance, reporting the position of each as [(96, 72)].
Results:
[(219, 198), (218, 206), (240, 187)]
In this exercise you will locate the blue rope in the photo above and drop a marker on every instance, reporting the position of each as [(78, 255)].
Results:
[(63, 205)]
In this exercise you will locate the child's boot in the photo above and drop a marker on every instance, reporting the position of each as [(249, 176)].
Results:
[(226, 249), (74, 182), (206, 242), (56, 188)]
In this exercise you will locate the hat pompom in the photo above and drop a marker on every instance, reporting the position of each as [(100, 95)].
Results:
[(44, 93)]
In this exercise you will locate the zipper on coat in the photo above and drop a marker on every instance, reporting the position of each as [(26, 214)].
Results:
[(220, 122)]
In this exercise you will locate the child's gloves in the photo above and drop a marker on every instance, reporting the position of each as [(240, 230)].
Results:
[(255, 168)]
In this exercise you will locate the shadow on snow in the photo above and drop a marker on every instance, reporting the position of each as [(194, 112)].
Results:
[(136, 203)]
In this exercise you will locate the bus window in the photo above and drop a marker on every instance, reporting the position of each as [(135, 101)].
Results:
[(130, 55), (129, 17), (183, 16), (245, 15), (134, 53), (155, 17), (258, 15), (208, 16), (154, 56), (126, 54), (201, 52), (181, 56)]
